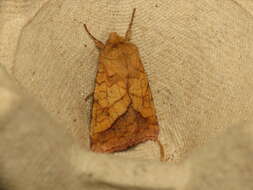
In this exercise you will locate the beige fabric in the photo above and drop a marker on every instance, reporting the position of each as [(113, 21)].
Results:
[(37, 154), (198, 56)]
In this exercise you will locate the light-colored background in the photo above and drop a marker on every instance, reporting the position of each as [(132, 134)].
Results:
[(199, 59)]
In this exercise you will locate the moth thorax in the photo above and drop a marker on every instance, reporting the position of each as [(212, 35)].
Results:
[(114, 38)]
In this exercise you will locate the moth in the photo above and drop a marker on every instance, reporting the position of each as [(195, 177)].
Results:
[(123, 112)]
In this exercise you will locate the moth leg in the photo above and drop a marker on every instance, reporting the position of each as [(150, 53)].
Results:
[(98, 43), (162, 156), (88, 96), (128, 32)]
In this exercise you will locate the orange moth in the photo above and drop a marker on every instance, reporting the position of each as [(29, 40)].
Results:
[(123, 112)]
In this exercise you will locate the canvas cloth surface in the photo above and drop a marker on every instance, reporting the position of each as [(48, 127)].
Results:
[(198, 57)]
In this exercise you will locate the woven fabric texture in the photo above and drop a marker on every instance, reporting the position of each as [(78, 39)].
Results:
[(197, 55)]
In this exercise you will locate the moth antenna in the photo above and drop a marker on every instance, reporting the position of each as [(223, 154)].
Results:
[(128, 32), (98, 43)]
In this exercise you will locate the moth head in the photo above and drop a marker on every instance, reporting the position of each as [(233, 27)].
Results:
[(114, 38)]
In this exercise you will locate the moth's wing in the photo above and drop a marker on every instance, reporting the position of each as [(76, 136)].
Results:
[(140, 92), (110, 96)]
